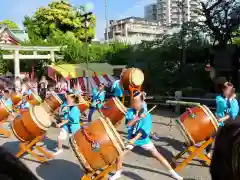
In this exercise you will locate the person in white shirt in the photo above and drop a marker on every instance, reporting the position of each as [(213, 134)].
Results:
[(18, 84)]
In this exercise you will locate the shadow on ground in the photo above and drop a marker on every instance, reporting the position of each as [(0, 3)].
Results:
[(129, 174), (60, 170)]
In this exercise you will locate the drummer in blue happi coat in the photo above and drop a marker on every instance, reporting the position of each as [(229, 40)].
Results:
[(76, 89), (139, 126), (70, 122), (117, 89), (98, 97)]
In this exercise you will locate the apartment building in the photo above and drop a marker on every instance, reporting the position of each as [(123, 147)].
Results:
[(174, 12), (150, 12), (134, 30)]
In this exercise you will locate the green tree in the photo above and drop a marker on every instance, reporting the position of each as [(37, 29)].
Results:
[(10, 24), (61, 16)]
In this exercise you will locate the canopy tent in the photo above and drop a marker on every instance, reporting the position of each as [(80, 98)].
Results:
[(97, 72)]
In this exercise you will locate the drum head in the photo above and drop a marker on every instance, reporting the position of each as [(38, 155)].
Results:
[(213, 118), (184, 132), (57, 97), (137, 77), (5, 106), (82, 100), (38, 98), (120, 105), (40, 117)]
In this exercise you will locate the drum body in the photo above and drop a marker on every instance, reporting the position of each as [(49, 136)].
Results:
[(110, 145), (114, 110), (4, 111), (197, 124), (34, 99), (31, 124), (132, 77), (83, 104), (16, 98), (52, 102)]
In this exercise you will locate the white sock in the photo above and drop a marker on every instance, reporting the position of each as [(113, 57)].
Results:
[(116, 175), (175, 175)]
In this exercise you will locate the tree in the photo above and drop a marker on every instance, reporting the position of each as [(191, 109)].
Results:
[(10, 24), (61, 16), (222, 18)]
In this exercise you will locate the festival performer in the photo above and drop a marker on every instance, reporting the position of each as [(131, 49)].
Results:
[(139, 126), (98, 97), (117, 89), (234, 106), (24, 105), (71, 122), (7, 99), (18, 84), (76, 89), (222, 108)]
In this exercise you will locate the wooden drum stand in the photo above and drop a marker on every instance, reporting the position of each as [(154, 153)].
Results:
[(28, 147), (101, 174), (193, 151)]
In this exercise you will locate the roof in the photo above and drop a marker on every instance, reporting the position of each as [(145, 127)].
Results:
[(77, 70), (17, 34)]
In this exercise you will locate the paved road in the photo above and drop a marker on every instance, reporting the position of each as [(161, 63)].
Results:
[(138, 165)]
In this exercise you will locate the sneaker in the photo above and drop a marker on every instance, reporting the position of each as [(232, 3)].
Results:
[(154, 136), (175, 175), (58, 152), (116, 176)]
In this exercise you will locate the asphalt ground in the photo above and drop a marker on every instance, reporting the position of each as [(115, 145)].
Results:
[(138, 164)]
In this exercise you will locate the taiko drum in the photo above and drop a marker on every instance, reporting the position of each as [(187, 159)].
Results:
[(4, 111), (31, 124), (16, 98), (83, 104), (52, 102), (114, 110), (98, 145), (197, 124), (133, 77), (34, 99)]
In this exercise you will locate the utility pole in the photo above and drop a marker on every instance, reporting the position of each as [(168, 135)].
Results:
[(182, 6), (106, 18)]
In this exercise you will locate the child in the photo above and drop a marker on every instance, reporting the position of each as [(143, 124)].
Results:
[(71, 122), (76, 89), (24, 105), (117, 90), (97, 100), (7, 99), (139, 127), (234, 107)]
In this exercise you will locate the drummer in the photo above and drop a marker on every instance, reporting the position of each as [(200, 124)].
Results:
[(234, 107), (24, 105), (98, 97), (139, 126), (222, 108), (7, 99), (71, 122), (117, 89), (76, 89)]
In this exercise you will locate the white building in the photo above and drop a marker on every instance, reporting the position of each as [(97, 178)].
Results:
[(134, 30), (150, 12), (169, 12)]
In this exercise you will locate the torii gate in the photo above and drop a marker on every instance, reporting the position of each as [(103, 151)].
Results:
[(16, 56)]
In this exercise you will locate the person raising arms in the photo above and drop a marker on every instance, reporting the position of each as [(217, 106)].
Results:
[(139, 126)]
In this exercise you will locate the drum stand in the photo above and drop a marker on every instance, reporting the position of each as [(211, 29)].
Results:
[(27, 147), (193, 151), (101, 174)]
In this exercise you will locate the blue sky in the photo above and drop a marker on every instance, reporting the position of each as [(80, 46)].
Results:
[(15, 10)]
